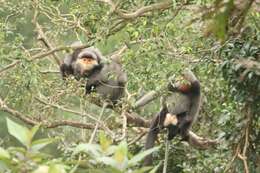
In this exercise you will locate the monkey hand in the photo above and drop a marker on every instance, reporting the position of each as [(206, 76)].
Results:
[(189, 75)]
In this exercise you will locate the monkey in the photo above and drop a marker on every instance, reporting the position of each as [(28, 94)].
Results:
[(105, 77), (178, 111)]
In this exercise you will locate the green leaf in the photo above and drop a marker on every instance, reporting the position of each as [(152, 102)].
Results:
[(4, 154), (57, 168), (137, 158), (107, 161), (41, 143), (21, 133), (121, 152), (4, 167), (120, 156), (34, 130), (42, 169), (111, 150), (104, 141), (92, 149), (154, 170), (143, 169)]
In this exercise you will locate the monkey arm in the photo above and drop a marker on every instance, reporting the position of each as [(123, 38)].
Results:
[(189, 76), (90, 85), (184, 127), (66, 70), (65, 67), (192, 87)]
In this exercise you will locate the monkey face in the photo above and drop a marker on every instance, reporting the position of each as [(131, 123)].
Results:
[(85, 65)]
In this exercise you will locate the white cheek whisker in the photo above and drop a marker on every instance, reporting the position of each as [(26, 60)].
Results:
[(170, 120)]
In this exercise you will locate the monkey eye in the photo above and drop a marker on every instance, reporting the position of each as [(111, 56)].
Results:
[(87, 59)]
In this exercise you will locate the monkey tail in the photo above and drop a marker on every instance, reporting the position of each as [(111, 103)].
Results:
[(153, 133), (150, 140)]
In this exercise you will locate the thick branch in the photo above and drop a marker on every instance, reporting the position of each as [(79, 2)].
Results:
[(150, 96), (132, 118), (200, 142), (249, 64)]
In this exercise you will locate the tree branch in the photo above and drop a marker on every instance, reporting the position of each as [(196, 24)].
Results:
[(249, 64), (139, 12), (41, 35), (32, 122), (13, 64), (132, 118)]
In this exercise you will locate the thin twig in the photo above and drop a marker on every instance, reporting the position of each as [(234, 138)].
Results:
[(46, 124), (166, 154), (77, 113), (41, 35), (96, 126), (13, 64), (137, 138)]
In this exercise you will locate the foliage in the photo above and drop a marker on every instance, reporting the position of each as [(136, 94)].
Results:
[(240, 78), (111, 158), (159, 44), (28, 157), (114, 158), (244, 82)]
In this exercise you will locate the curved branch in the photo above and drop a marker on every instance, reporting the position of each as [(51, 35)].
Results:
[(139, 12), (61, 48)]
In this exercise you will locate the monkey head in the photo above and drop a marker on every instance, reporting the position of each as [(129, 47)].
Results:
[(82, 62), (86, 61), (104, 77)]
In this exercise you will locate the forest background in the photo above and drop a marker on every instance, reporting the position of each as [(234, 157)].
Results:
[(154, 40)]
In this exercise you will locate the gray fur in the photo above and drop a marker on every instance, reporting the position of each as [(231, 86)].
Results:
[(108, 79)]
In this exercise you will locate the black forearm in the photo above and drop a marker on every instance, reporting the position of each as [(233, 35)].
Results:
[(66, 70), (91, 85)]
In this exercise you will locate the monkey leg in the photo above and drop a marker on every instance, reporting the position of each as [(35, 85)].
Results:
[(172, 131), (150, 140), (90, 87), (184, 128)]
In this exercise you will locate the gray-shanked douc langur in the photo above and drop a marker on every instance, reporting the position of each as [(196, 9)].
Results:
[(104, 76), (179, 110)]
